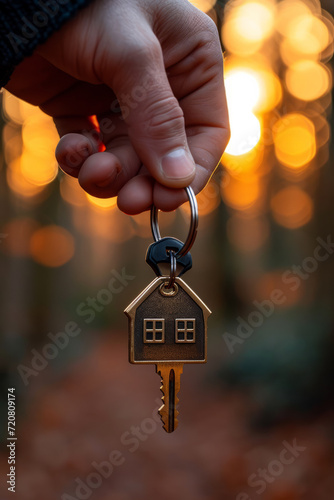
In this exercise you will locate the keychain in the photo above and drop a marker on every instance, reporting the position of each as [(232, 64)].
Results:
[(167, 321)]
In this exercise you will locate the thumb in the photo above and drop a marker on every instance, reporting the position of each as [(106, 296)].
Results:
[(154, 117)]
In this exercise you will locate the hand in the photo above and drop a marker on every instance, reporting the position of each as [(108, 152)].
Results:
[(160, 63)]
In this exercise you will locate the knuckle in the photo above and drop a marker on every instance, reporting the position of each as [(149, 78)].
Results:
[(203, 20), (164, 118), (142, 51), (209, 39), (207, 31)]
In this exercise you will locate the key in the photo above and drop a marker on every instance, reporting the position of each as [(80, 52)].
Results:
[(168, 321), (168, 328), (170, 374)]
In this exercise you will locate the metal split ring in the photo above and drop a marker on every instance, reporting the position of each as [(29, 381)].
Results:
[(193, 224), (172, 274)]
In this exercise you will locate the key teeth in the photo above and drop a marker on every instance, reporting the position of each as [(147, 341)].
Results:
[(163, 371), (163, 412)]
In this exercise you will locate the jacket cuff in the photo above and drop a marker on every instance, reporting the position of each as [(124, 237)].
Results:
[(25, 24)]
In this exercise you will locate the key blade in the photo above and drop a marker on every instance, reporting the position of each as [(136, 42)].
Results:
[(170, 374), (172, 403)]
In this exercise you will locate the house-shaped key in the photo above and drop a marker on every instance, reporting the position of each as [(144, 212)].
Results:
[(167, 327)]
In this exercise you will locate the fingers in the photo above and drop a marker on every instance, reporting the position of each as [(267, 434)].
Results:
[(207, 124), (78, 99), (104, 174), (137, 195), (98, 173), (167, 199), (175, 125), (101, 174), (71, 152), (154, 117), (74, 148), (197, 81), (178, 125)]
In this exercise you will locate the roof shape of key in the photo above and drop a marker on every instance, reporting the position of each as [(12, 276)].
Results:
[(167, 328)]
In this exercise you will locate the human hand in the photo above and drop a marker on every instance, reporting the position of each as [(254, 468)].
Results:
[(162, 62)]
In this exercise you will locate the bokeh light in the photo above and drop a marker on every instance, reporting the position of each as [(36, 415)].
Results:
[(103, 224), (308, 80), (71, 191), (203, 5), (292, 207), (17, 110), (248, 25), (242, 90), (36, 169), (102, 203), (242, 93), (294, 139), (241, 165), (323, 131), (288, 12), (11, 107), (251, 83), (207, 200), (308, 35), (273, 280), (270, 91), (19, 184), (51, 246), (245, 133), (19, 232), (12, 139), (241, 194)]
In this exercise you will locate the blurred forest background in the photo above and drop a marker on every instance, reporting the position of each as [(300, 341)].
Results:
[(257, 264)]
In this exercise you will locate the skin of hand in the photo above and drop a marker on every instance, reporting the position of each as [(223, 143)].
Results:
[(136, 90)]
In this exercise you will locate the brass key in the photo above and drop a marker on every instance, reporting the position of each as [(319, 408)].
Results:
[(167, 327), (167, 321), (170, 374)]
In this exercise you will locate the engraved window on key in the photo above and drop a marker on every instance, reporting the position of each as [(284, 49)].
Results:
[(185, 330), (154, 331)]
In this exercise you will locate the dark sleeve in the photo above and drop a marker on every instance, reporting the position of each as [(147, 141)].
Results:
[(24, 24)]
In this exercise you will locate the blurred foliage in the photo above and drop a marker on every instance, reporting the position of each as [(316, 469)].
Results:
[(260, 214), (258, 264)]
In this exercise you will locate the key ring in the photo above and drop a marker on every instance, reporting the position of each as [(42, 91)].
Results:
[(172, 274), (193, 224)]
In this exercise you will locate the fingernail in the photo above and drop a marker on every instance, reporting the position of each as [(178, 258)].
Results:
[(177, 164)]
